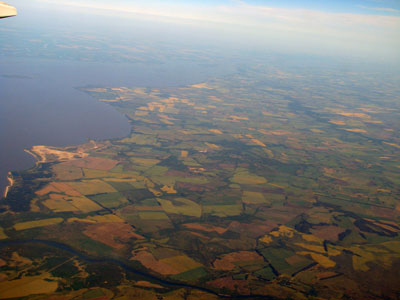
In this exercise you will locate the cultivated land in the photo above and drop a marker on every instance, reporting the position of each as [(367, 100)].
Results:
[(275, 184)]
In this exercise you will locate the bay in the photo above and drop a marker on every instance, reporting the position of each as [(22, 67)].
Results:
[(40, 105)]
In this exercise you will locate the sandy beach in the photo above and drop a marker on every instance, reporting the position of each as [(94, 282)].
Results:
[(11, 183)]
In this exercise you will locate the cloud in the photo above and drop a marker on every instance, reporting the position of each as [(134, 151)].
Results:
[(381, 9)]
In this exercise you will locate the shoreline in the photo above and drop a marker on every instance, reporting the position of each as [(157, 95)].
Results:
[(35, 156), (10, 185)]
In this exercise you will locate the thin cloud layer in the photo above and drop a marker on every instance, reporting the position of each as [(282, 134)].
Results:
[(306, 28)]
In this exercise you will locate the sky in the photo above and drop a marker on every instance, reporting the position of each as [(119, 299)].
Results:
[(359, 28)]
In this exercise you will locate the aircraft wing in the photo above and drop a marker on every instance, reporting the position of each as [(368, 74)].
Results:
[(6, 10)]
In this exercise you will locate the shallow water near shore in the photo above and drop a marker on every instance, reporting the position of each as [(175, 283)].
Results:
[(39, 102)]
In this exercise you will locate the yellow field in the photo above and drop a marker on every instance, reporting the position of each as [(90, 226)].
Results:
[(320, 259), (91, 187), (356, 130), (239, 118), (253, 198), (41, 284), (153, 215), (201, 86), (311, 238), (216, 131), (393, 246), (141, 113), (168, 189), (181, 206), (141, 139), (98, 219), (266, 239), (356, 115), (92, 173), (392, 144), (258, 142), (212, 146), (181, 263), (361, 258), (337, 122), (38, 223), (2, 234), (60, 203), (148, 162), (223, 210), (184, 153), (242, 176), (311, 247), (283, 231)]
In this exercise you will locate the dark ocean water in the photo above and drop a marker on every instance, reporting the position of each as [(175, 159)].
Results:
[(40, 105)]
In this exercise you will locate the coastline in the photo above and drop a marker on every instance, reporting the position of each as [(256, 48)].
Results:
[(35, 156), (10, 185)]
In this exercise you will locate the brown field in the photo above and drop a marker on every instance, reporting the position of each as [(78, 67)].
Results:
[(253, 230), (280, 214), (231, 284), (65, 172), (58, 187), (330, 233), (112, 234), (206, 227), (106, 219), (226, 263), (181, 263), (148, 284), (47, 189), (199, 235), (249, 197), (192, 186), (97, 163), (150, 262)]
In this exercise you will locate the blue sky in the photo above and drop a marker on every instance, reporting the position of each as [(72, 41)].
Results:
[(381, 7)]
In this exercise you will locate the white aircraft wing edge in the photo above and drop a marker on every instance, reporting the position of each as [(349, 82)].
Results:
[(6, 10)]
